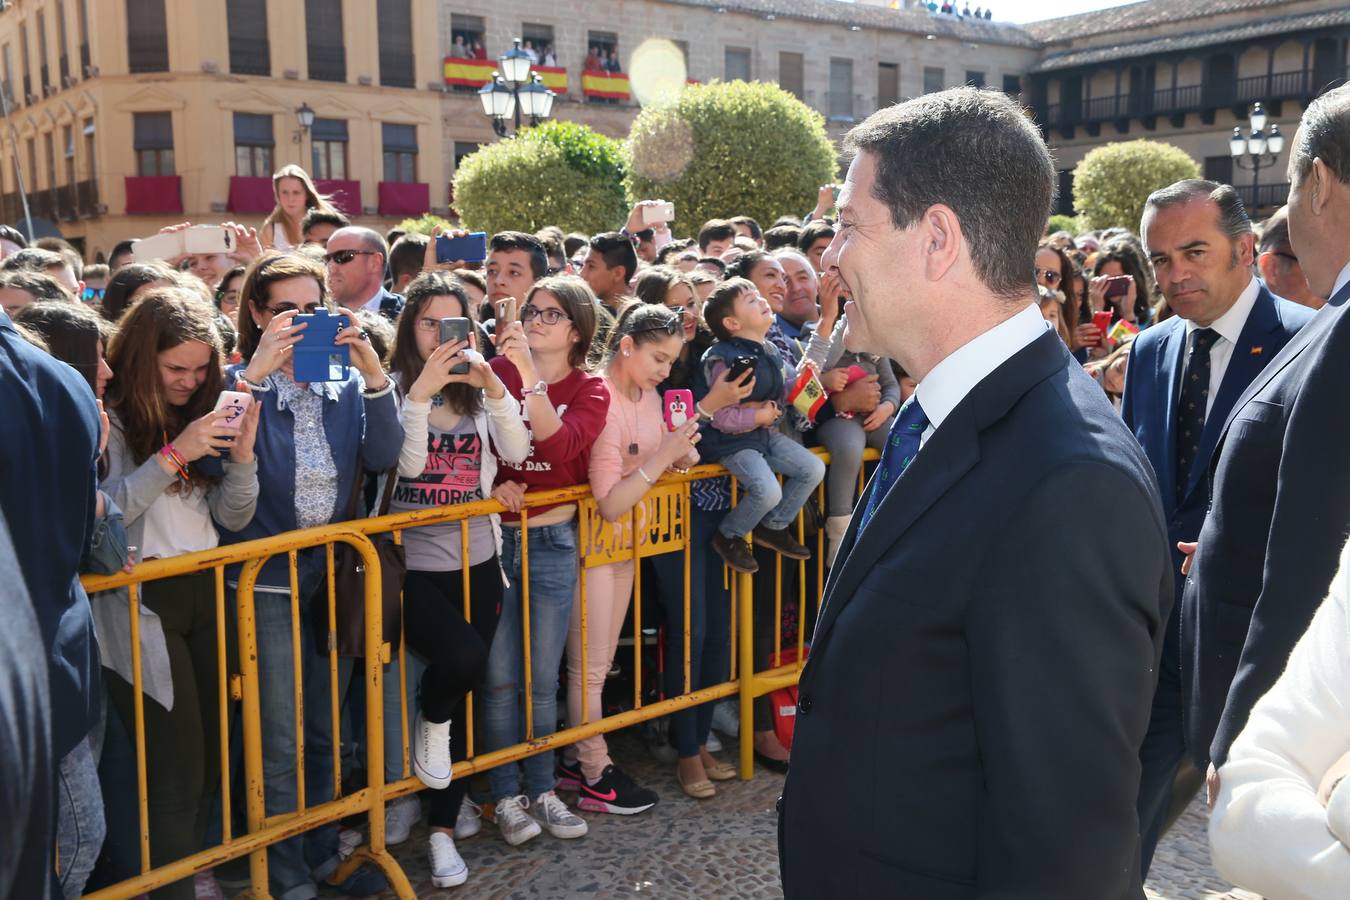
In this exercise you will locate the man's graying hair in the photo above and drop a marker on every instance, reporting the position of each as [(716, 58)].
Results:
[(1324, 134), (976, 152), (1233, 219)]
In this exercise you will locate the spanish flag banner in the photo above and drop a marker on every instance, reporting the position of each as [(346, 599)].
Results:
[(469, 72), (555, 78), (1122, 330), (808, 394), (605, 84)]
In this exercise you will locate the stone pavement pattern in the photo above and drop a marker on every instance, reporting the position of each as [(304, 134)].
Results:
[(723, 847)]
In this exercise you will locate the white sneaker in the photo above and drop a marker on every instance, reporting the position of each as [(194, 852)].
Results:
[(469, 821), (447, 866), (431, 752), (515, 824), (554, 815), (205, 887), (714, 743), (726, 719), (399, 818)]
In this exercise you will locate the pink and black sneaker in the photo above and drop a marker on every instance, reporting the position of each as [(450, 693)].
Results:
[(615, 792), (569, 775)]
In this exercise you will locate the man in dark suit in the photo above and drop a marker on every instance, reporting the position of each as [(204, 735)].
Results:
[(1183, 377), (356, 259), (1281, 490), (970, 716)]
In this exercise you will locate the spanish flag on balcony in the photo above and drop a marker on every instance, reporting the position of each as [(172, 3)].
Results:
[(469, 72), (605, 84), (555, 78)]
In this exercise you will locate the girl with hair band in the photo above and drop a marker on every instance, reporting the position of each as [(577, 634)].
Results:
[(177, 472), (296, 195), (452, 424), (632, 452), (709, 597), (565, 407)]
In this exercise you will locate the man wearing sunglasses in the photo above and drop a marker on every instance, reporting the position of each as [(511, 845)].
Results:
[(356, 261)]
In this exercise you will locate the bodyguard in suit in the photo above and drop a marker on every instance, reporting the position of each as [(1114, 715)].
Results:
[(356, 259), (970, 716), (1183, 378), (1281, 486)]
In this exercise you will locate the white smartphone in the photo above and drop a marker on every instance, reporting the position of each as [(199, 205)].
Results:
[(233, 404), (158, 246), (208, 239), (661, 212)]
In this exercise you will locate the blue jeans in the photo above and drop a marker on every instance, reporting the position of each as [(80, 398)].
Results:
[(709, 629), (553, 583), (762, 501), (80, 827)]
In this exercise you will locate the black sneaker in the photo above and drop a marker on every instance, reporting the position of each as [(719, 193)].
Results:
[(781, 539), (736, 552), (616, 793)]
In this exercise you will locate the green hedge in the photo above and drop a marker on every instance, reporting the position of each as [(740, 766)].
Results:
[(558, 173), (728, 149), (1112, 182)]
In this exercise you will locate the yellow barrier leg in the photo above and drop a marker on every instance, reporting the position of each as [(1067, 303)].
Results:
[(745, 589), (254, 797)]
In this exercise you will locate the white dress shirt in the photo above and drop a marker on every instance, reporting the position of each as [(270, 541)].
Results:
[(1341, 280), (950, 380), (373, 304), (1229, 328)]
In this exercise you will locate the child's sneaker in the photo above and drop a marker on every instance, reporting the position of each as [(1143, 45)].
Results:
[(615, 792), (736, 553), (569, 775)]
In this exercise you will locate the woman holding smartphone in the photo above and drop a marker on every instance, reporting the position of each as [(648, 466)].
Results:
[(452, 424), (565, 407), (176, 471), (316, 439), (632, 452)]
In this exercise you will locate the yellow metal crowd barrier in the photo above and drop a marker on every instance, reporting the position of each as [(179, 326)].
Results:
[(662, 526)]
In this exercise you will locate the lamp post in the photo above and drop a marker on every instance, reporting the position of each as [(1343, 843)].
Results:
[(515, 91), (304, 116), (1259, 149)]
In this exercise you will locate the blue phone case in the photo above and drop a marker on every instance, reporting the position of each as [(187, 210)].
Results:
[(470, 248), (317, 357)]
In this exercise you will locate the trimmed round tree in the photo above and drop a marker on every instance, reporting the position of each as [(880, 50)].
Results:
[(727, 149), (1112, 182), (557, 173)]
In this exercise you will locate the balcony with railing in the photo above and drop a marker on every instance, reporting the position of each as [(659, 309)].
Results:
[(66, 206), (86, 198), (1263, 196)]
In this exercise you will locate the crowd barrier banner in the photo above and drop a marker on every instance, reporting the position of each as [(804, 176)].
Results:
[(662, 526)]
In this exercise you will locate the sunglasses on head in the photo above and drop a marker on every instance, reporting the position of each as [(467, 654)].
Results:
[(89, 295), (669, 326), (342, 257)]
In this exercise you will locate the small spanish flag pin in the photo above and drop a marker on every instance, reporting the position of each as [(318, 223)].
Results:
[(1256, 351)]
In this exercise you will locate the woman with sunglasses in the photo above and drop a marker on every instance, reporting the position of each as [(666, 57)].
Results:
[(1056, 272), (180, 477), (452, 423), (632, 452), (227, 294), (316, 439), (565, 407)]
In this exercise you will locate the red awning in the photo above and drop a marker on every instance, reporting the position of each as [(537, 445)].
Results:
[(252, 195), (345, 195), (404, 198), (154, 194)]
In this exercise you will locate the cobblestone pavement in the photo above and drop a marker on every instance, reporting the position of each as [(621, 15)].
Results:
[(723, 847)]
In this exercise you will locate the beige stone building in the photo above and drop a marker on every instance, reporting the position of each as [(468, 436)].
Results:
[(126, 115)]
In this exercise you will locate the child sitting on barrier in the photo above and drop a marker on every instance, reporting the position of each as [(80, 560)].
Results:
[(632, 452), (743, 438)]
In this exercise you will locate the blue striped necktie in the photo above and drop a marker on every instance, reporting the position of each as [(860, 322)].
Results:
[(902, 445)]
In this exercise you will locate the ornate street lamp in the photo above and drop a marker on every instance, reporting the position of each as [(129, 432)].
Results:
[(514, 92), (1259, 149), (304, 116)]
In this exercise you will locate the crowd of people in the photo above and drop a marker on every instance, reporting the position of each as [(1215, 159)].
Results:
[(563, 376)]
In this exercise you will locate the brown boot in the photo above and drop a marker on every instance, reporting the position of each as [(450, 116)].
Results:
[(736, 552), (781, 540)]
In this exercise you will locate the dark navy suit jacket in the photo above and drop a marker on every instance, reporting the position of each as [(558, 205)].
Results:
[(1279, 514), (1149, 407), (970, 716)]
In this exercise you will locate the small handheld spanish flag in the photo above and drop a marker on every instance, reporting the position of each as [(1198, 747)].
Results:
[(1121, 330), (808, 394)]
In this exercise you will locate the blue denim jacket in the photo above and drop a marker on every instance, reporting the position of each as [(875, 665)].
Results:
[(352, 423)]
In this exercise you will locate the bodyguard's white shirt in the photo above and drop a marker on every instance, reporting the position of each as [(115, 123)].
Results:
[(950, 380), (1341, 280), (373, 304), (1229, 328)]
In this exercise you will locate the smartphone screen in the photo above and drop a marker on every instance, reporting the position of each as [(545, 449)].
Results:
[(454, 330)]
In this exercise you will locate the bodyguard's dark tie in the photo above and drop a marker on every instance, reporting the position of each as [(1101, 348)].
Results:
[(1191, 406), (902, 444)]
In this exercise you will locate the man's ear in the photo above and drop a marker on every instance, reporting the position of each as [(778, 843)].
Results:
[(940, 231)]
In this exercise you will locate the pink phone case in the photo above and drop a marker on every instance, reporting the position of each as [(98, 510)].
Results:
[(679, 408), (234, 404)]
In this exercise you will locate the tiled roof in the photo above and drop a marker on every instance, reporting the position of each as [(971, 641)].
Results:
[(1190, 40), (876, 18), (1139, 15)]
